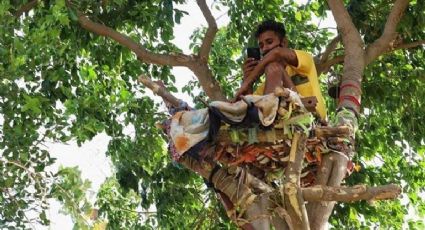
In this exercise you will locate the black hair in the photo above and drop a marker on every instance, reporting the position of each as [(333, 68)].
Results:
[(271, 25)]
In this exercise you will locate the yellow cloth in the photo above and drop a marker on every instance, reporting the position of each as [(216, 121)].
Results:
[(310, 88)]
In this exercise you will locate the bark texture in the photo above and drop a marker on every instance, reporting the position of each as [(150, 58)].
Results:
[(351, 194)]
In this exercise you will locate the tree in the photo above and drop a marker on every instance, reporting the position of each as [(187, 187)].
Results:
[(69, 71)]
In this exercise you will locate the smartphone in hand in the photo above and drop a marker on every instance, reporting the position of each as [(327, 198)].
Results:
[(253, 52)]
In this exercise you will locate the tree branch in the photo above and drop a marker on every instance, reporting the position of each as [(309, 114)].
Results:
[(344, 23), (354, 54), (206, 79), (141, 53), (324, 67), (159, 90), (201, 70), (10, 196), (409, 45), (211, 31), (384, 42), (350, 194), (321, 59), (25, 8), (350, 36), (330, 48), (404, 46)]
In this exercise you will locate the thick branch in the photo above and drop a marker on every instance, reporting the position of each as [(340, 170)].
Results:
[(330, 48), (384, 42), (409, 45), (324, 67), (25, 8), (345, 25), (351, 194), (207, 81), (404, 46), (159, 90), (142, 54), (354, 55), (201, 70), (211, 31)]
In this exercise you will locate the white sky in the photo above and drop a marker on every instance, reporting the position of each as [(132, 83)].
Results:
[(94, 166)]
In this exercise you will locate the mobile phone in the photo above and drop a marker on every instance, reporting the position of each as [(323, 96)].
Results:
[(253, 52)]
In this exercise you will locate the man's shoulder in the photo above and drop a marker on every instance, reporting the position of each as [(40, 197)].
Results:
[(305, 60), (303, 53)]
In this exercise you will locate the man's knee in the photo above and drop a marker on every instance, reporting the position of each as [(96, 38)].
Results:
[(274, 68)]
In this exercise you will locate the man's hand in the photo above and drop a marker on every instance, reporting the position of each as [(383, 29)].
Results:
[(244, 89), (251, 72), (282, 55), (248, 66), (252, 68)]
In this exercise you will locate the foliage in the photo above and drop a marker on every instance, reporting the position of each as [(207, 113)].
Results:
[(71, 191), (118, 208), (60, 82)]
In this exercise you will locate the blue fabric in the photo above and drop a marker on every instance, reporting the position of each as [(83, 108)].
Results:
[(182, 106)]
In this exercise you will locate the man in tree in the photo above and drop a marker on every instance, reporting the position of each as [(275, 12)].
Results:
[(293, 69)]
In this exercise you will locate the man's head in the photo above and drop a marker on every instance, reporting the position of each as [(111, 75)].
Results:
[(270, 34)]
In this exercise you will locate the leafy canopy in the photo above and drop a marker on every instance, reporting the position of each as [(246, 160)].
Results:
[(60, 82)]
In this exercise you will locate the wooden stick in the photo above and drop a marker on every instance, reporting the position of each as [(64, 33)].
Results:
[(340, 131), (293, 200), (351, 194)]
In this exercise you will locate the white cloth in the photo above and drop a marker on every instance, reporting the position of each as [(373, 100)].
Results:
[(191, 127)]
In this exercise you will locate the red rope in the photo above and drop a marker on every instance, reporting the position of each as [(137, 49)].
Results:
[(349, 85), (350, 98)]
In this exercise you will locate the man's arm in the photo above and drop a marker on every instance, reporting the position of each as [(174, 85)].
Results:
[(276, 75), (248, 66), (282, 55)]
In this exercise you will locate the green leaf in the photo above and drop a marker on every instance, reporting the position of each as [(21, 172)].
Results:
[(72, 14), (32, 104), (298, 16)]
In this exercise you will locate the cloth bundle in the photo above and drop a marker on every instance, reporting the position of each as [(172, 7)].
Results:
[(189, 128)]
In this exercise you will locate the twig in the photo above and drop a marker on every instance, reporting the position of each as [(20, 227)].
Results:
[(14, 200), (73, 203), (25, 8)]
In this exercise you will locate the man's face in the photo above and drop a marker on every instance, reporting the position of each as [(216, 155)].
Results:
[(269, 40)]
